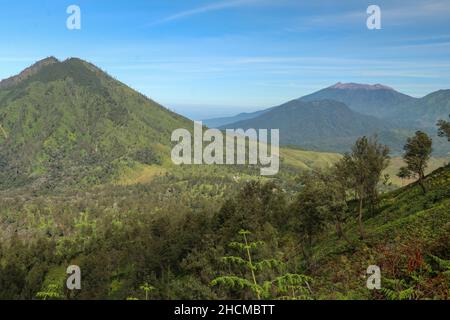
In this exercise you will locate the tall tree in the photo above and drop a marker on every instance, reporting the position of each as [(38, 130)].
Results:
[(338, 207), (417, 154), (377, 161), (337, 184), (311, 211), (444, 129), (364, 167)]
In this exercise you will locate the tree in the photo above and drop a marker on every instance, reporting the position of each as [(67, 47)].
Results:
[(255, 205), (364, 167), (377, 161), (311, 209), (444, 129), (417, 153), (337, 184)]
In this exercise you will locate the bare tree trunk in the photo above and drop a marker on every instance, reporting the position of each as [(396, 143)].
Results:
[(4, 132), (361, 227), (339, 229), (340, 232), (422, 185)]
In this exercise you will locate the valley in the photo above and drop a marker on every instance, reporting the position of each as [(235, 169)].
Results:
[(87, 179)]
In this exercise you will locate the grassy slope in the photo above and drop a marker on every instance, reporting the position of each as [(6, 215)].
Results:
[(301, 160), (291, 159), (397, 162), (409, 225)]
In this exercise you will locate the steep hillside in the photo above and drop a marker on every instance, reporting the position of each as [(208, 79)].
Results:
[(402, 238), (70, 123), (300, 160)]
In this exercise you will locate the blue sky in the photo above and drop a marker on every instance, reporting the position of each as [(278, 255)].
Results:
[(219, 57)]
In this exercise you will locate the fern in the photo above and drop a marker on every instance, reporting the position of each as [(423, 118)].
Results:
[(269, 264), (290, 286), (295, 286), (443, 264), (52, 291), (235, 282)]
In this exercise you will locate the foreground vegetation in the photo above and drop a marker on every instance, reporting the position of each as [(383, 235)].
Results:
[(172, 233)]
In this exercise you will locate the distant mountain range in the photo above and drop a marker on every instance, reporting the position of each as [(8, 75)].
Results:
[(218, 122), (320, 124), (330, 119)]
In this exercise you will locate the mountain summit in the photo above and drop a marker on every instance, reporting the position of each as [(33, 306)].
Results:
[(376, 100), (70, 123), (359, 86), (25, 74)]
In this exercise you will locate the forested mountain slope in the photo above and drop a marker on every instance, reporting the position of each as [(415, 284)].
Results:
[(69, 122)]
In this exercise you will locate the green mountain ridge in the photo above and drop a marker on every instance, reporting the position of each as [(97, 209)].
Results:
[(70, 123), (426, 111)]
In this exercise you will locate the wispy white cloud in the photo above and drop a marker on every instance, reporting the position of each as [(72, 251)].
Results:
[(226, 4), (423, 9), (394, 15), (424, 45), (294, 66)]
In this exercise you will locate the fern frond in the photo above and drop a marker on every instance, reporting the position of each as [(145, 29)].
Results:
[(269, 264), (236, 260)]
